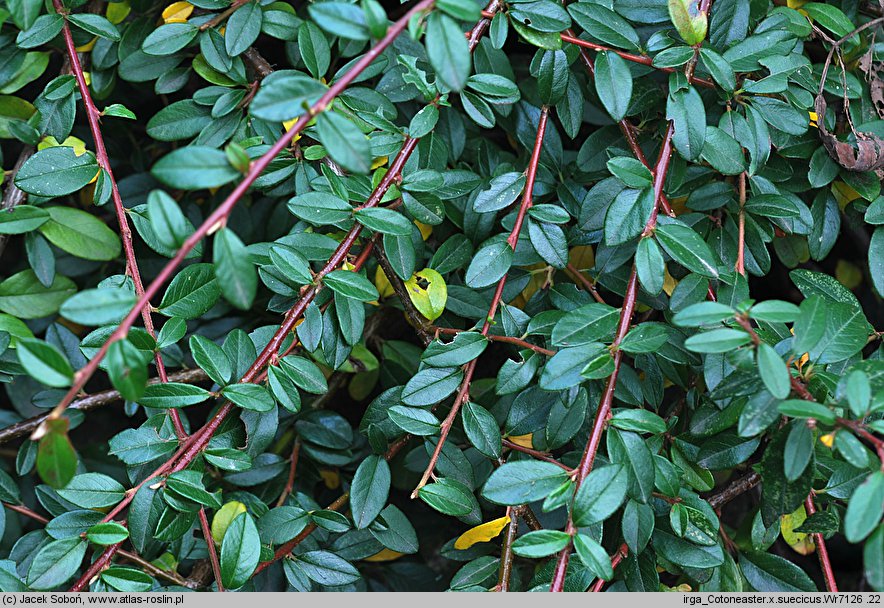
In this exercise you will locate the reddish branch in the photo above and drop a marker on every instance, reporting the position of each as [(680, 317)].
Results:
[(93, 116), (741, 237), (463, 392), (210, 545), (219, 216), (618, 557), (494, 338), (629, 300), (822, 551), (506, 556), (625, 127), (293, 465), (588, 285), (535, 453), (221, 17), (642, 59)]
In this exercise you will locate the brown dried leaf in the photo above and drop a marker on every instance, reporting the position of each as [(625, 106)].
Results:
[(866, 155)]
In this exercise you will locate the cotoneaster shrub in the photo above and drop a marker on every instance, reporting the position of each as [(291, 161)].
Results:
[(347, 296)]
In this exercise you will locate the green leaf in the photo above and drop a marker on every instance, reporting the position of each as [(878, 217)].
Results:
[(240, 551), (81, 234), (340, 19), (385, 221), (243, 28), (22, 219), (600, 494), (604, 25), (95, 24), (688, 249), (93, 491), (236, 275), (369, 490), (773, 371), (211, 358), (865, 508), (43, 30), (130, 580), (346, 144), (191, 293), (327, 569), (517, 483), (169, 225), (767, 572), (431, 385), (593, 556), (194, 168), (448, 496), (173, 395), (482, 429), (613, 83), (56, 563), (685, 109), (127, 368), (541, 543), (351, 285), (717, 341), (304, 374), (44, 362), (414, 421), (465, 347), (447, 51), (23, 296), (249, 397), (169, 38), (501, 192), (102, 306), (107, 533), (286, 94), (56, 457), (56, 171)]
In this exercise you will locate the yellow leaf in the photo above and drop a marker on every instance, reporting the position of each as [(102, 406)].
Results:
[(177, 12), (385, 289), (428, 292), (581, 257), (669, 282), (481, 533), (848, 274), (813, 118), (679, 205), (85, 48), (224, 517), (117, 11), (827, 440), (426, 230), (379, 162), (331, 478), (523, 440), (384, 555), (88, 78), (535, 283), (799, 541), (844, 194), (795, 3), (76, 143)]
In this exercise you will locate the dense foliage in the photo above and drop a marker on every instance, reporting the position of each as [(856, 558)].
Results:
[(343, 296)]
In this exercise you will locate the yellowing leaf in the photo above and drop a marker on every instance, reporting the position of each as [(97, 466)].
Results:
[(331, 478), (848, 274), (669, 282), (537, 281), (85, 48), (76, 143), (117, 11), (224, 517), (523, 440), (379, 162), (581, 257), (177, 12), (799, 541), (813, 118), (827, 439), (795, 3), (428, 292), (382, 283), (384, 555), (844, 194), (425, 229), (481, 533)]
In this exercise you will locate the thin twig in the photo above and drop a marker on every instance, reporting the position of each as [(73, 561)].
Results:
[(293, 466), (822, 551), (418, 321)]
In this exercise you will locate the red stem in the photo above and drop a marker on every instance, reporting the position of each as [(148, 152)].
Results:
[(95, 569), (290, 483), (219, 216), (822, 552), (494, 338), (93, 116), (210, 544), (642, 59), (604, 409), (536, 453), (618, 557), (463, 392)]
